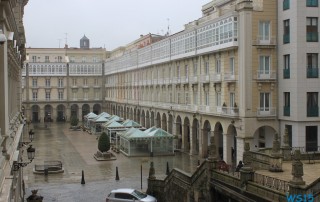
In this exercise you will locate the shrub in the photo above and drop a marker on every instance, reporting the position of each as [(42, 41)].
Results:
[(104, 142), (74, 121)]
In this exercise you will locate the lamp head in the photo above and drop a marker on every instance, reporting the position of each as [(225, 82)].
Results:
[(3, 37)]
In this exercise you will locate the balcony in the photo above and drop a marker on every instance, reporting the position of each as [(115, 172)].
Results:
[(286, 73), (193, 79), (266, 112), (205, 78), (313, 72), (176, 80), (215, 78), (286, 111), (184, 79), (266, 75), (229, 111), (312, 3), (286, 4), (286, 38), (230, 77), (313, 111), (312, 36)]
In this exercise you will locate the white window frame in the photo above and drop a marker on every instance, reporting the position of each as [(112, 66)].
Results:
[(264, 31)]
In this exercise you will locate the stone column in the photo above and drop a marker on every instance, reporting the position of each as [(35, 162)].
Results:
[(296, 185), (286, 150), (54, 114), (246, 172), (275, 160), (193, 142)]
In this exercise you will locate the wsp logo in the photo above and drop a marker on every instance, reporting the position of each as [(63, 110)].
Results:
[(300, 198)]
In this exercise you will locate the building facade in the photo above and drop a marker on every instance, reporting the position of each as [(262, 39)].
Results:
[(298, 41), (216, 77), (58, 83), (12, 55)]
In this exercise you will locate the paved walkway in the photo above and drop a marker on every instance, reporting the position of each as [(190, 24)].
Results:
[(75, 149)]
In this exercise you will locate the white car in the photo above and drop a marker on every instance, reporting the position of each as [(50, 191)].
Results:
[(129, 195)]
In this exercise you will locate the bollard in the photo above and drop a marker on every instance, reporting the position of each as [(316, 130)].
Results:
[(82, 179), (117, 174), (167, 173)]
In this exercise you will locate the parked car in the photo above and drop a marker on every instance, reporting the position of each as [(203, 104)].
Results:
[(129, 195)]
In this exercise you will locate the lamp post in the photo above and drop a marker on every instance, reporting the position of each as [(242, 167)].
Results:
[(30, 153)]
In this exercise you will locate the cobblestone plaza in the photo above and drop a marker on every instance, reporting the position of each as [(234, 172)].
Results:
[(75, 149)]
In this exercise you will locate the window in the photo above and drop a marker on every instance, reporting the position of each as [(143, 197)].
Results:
[(206, 98), (264, 66), (312, 104), (186, 69), (96, 82), (264, 31), (60, 83), (312, 29), (312, 65), (218, 65), (195, 97), (59, 59), (286, 4), (206, 67), (289, 129), (178, 98), (74, 95), (47, 96), (232, 99), (47, 82), (286, 108), (74, 82), (34, 58), (312, 3), (195, 67), (35, 96), (46, 59), (286, 31), (60, 95), (218, 99), (85, 81), (170, 97), (187, 98), (231, 61), (178, 71), (72, 59), (311, 138), (286, 70), (96, 95), (84, 59), (85, 95), (264, 102), (34, 83)]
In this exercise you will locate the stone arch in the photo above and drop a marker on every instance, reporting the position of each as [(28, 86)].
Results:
[(48, 113), (206, 134), (164, 122), (195, 138), (147, 120), (61, 113), (218, 139), (186, 135), (158, 120), (35, 110), (263, 137), (170, 124), (231, 145), (179, 132), (138, 116), (74, 111), (85, 110), (97, 109), (152, 119), (143, 119), (131, 114)]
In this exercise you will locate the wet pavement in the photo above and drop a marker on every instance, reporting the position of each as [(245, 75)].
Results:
[(75, 150)]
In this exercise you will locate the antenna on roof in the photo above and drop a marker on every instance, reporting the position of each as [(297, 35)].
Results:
[(66, 38), (168, 32)]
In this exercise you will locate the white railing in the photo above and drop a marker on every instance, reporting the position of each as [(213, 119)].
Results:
[(266, 75)]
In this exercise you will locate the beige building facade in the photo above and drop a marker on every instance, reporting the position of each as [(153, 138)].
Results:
[(217, 78), (58, 83)]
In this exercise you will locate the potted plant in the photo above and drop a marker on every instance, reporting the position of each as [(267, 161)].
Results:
[(224, 107)]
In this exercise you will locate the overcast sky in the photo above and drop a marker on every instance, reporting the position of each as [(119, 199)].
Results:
[(107, 23)]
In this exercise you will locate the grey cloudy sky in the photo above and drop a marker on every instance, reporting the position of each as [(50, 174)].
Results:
[(107, 23)]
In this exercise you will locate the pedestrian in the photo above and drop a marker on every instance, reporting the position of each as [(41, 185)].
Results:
[(239, 166)]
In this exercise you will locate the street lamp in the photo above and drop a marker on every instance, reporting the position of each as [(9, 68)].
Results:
[(31, 136), (31, 153)]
